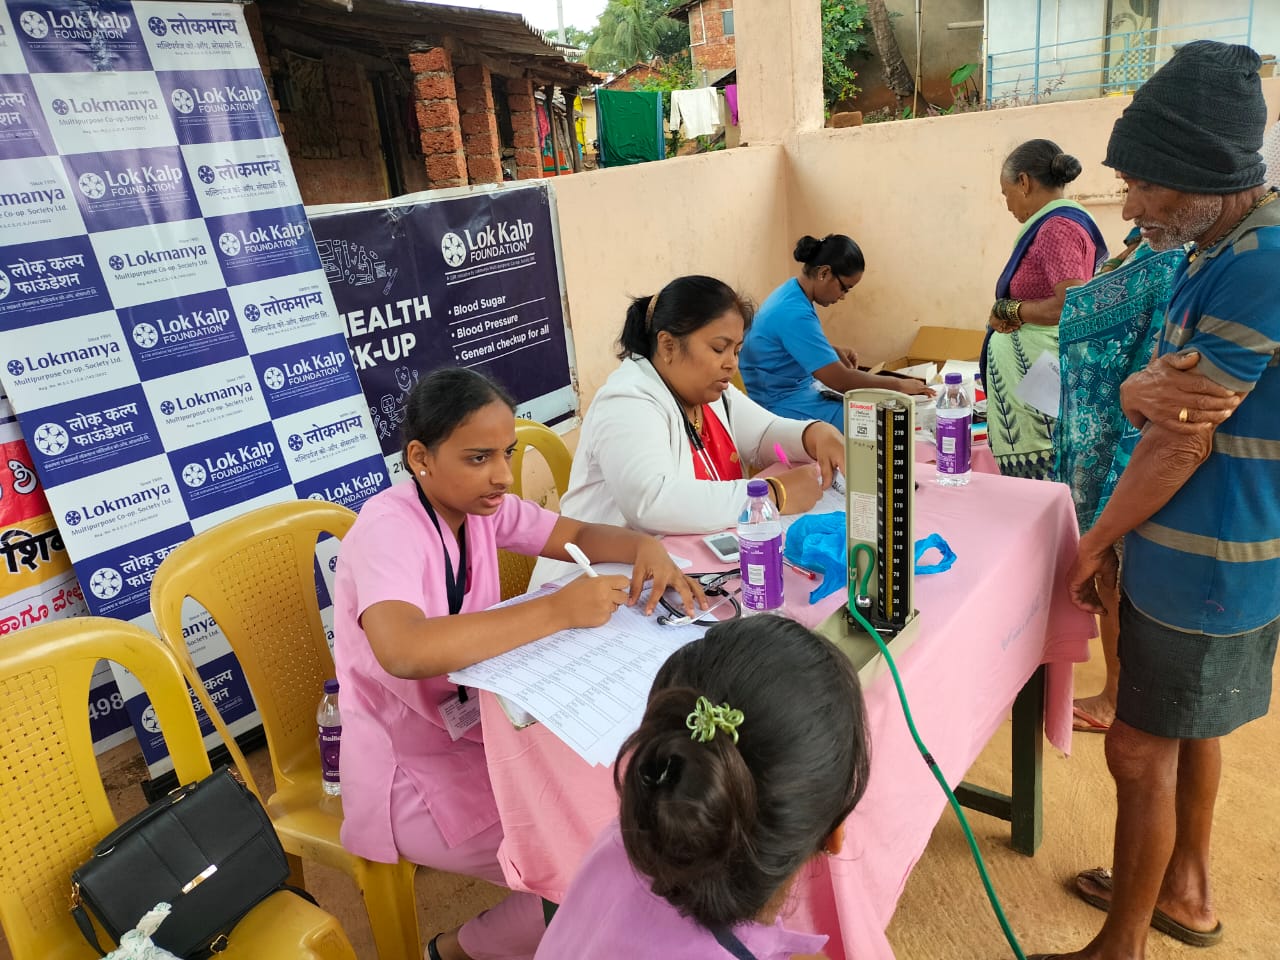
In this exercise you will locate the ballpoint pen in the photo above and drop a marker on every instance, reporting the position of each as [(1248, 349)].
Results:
[(580, 558)]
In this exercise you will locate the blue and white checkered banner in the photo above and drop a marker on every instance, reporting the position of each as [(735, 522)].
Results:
[(150, 230)]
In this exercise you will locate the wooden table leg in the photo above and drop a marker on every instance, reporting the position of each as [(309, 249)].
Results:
[(1024, 809)]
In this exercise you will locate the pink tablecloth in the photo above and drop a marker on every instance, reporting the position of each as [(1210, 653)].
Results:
[(987, 624)]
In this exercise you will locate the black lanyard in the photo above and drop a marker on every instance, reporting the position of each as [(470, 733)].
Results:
[(455, 584), (725, 937)]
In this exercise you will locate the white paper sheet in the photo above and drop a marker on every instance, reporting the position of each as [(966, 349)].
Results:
[(588, 686), (1042, 386)]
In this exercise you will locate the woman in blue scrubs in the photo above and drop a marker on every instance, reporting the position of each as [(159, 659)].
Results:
[(788, 365)]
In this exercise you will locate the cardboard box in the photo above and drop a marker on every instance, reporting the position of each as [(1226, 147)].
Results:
[(938, 345)]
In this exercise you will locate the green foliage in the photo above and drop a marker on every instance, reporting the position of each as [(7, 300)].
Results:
[(844, 35), (634, 31), (961, 74)]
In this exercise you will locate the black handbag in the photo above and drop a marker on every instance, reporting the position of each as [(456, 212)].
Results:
[(208, 849)]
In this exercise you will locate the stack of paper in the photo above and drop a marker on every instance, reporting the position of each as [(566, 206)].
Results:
[(588, 686)]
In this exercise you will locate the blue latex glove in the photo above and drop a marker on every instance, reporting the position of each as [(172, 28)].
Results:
[(818, 542)]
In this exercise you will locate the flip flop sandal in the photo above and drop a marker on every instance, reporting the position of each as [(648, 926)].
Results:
[(1085, 722), (432, 952), (1101, 877)]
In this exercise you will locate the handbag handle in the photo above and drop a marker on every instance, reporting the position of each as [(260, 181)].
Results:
[(81, 917), (108, 843)]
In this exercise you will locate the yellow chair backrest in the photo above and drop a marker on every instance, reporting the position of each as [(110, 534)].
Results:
[(53, 808), (548, 443), (255, 575), (515, 569), (736, 380)]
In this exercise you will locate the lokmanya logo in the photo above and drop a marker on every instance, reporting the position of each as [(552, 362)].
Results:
[(33, 198), (132, 259), (229, 463), (130, 180), (219, 98), (502, 239), (191, 25), (110, 505), (81, 24), (53, 359), (202, 398), (100, 106), (181, 327)]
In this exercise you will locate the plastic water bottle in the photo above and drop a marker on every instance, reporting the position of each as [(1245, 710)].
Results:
[(760, 551), (953, 433), (330, 722)]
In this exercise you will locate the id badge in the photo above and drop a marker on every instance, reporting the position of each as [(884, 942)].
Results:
[(459, 717)]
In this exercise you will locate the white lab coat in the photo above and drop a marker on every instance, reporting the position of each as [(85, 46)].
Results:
[(634, 466)]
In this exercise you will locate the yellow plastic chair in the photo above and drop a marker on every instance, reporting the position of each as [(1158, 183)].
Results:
[(737, 381), (515, 569), (54, 810), (255, 576), (548, 443)]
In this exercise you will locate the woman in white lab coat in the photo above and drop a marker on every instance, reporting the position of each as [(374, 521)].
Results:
[(668, 441)]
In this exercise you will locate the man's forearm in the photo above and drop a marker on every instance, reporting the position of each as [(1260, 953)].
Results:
[(1162, 463)]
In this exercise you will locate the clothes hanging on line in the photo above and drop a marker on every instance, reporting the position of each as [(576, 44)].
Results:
[(629, 124), (731, 101), (698, 111)]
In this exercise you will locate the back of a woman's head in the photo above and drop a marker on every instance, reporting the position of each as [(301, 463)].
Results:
[(442, 400), (1044, 162), (835, 250), (684, 305), (721, 827)]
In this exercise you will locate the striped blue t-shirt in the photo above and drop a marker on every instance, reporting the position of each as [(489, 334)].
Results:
[(1209, 561)]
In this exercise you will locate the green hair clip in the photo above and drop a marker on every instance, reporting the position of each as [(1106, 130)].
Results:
[(707, 718)]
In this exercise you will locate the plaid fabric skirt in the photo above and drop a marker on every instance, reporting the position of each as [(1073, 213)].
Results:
[(1192, 686)]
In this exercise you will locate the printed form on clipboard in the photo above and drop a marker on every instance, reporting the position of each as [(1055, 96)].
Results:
[(589, 685)]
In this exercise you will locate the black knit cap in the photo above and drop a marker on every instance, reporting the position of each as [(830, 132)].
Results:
[(1197, 124)]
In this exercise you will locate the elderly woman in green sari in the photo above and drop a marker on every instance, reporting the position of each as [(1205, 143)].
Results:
[(1058, 247), (1107, 331)]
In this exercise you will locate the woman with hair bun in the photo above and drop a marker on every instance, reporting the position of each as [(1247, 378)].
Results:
[(752, 752), (668, 442), (787, 359), (1058, 247)]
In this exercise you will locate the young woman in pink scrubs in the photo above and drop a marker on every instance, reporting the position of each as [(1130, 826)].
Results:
[(416, 575), (752, 752)]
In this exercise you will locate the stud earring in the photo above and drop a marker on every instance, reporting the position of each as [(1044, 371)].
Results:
[(422, 473)]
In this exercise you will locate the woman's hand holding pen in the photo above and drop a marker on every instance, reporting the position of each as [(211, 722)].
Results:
[(825, 446), (589, 601)]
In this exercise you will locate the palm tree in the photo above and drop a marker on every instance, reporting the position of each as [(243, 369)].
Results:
[(627, 34)]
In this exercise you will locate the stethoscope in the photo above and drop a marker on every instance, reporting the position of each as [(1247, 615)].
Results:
[(695, 438), (713, 585)]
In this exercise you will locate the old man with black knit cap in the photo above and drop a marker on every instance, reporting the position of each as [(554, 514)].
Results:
[(1199, 505)]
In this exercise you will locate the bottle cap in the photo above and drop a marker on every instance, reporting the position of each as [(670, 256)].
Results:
[(331, 686), (757, 488), (954, 378)]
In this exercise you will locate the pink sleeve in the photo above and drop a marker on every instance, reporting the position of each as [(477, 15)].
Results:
[(1065, 251), (386, 564), (523, 526)]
